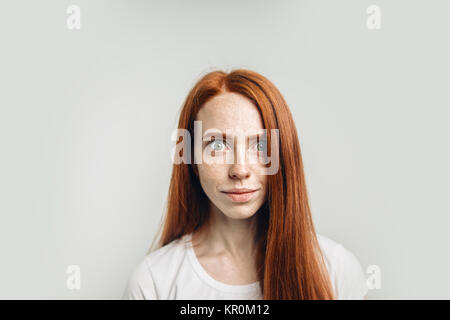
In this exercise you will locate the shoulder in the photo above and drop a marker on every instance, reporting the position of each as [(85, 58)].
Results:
[(155, 267), (345, 270)]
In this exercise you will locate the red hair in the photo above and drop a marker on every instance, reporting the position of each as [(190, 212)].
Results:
[(289, 260)]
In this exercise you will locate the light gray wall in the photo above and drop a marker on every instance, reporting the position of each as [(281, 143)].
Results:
[(86, 117)]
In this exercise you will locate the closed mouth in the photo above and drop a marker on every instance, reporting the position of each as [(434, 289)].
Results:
[(241, 196), (240, 191)]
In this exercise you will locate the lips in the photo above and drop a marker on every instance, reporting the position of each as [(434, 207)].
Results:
[(239, 190), (240, 195)]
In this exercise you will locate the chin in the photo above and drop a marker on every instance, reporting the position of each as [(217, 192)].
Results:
[(240, 214)]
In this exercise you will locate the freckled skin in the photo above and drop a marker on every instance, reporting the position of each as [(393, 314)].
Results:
[(227, 249), (231, 112)]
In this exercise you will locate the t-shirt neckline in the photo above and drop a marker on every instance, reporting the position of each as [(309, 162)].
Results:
[(201, 272)]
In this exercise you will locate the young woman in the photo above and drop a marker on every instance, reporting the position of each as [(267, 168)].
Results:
[(236, 229)]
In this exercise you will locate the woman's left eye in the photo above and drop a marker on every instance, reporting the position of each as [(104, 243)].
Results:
[(261, 145)]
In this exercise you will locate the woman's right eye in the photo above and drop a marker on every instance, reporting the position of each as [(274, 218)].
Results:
[(217, 145)]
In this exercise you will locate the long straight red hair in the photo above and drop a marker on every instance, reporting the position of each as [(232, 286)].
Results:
[(289, 260)]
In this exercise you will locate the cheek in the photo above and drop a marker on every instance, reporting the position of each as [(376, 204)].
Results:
[(211, 175), (263, 180)]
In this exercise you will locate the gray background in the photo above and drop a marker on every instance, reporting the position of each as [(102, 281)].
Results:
[(86, 117)]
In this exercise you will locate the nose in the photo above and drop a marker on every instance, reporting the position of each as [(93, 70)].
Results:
[(239, 171)]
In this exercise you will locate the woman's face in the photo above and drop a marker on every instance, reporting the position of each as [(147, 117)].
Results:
[(236, 116)]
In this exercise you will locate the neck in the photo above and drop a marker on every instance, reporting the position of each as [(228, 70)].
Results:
[(228, 236)]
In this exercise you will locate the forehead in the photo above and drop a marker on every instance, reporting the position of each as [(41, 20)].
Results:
[(230, 111)]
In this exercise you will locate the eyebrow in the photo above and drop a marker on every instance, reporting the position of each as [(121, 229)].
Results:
[(208, 135)]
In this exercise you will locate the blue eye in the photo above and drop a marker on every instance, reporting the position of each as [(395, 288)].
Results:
[(219, 142), (262, 145), (219, 145)]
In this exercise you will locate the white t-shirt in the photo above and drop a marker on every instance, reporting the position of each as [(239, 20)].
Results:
[(173, 272)]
